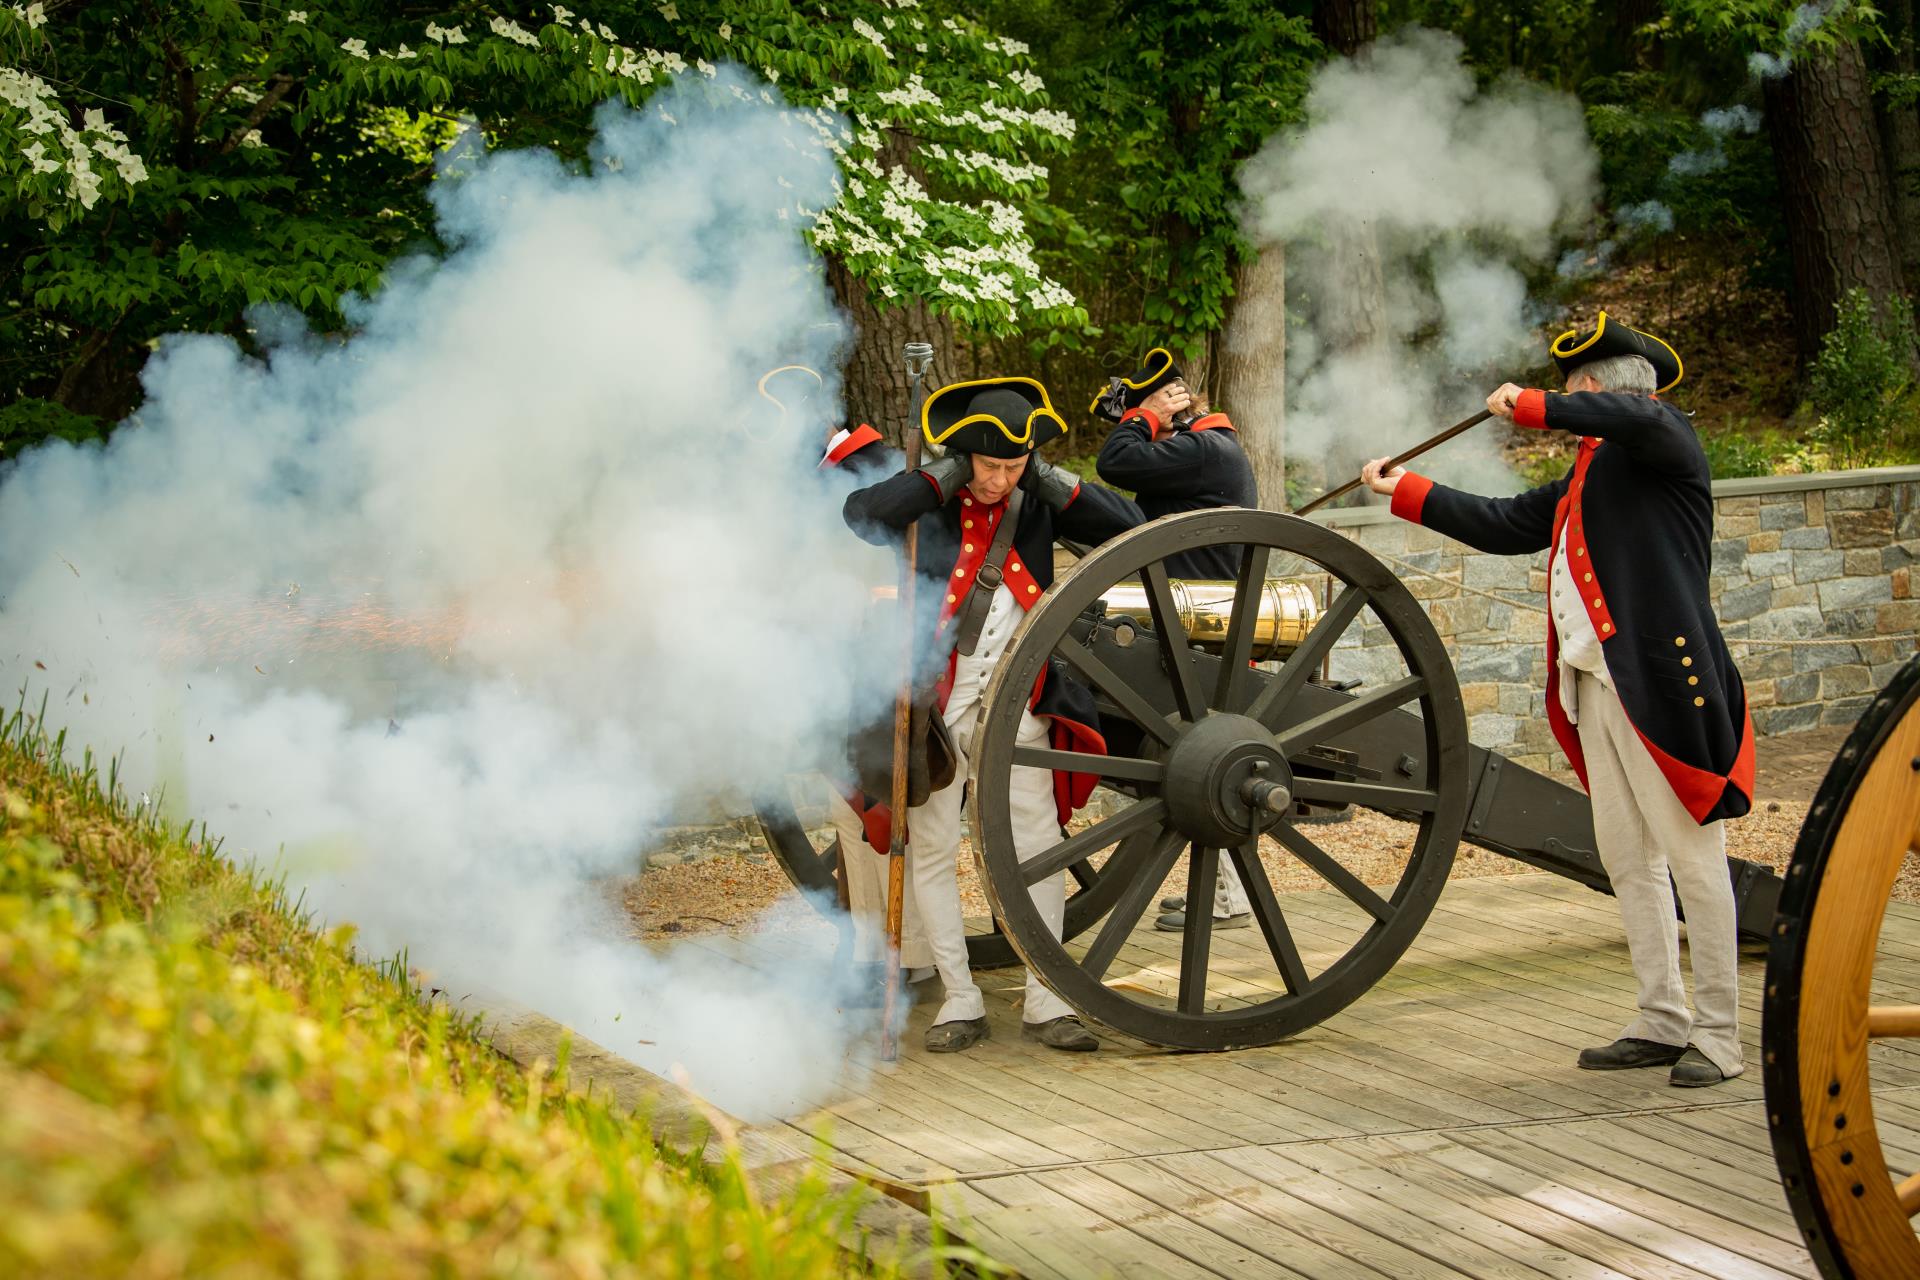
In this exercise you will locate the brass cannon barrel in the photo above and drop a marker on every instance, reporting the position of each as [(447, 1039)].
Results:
[(1288, 611)]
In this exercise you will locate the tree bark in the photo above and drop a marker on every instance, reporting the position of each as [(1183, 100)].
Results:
[(1345, 26), (1900, 141), (1839, 215), (1250, 370), (874, 380)]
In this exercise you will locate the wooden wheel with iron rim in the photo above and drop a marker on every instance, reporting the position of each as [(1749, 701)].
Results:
[(1215, 753), (1820, 1018)]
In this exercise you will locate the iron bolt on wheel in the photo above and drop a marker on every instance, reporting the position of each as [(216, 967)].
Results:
[(1213, 752)]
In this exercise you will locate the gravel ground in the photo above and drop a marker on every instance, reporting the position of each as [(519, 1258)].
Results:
[(737, 883)]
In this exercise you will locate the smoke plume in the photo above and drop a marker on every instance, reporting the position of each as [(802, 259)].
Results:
[(446, 618), (1409, 203)]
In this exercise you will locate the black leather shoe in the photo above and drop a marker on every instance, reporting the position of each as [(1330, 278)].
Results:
[(961, 1033), (1176, 921), (1174, 902), (1628, 1053), (1066, 1033), (1694, 1070)]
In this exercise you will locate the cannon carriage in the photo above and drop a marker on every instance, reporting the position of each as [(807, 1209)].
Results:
[(1220, 730)]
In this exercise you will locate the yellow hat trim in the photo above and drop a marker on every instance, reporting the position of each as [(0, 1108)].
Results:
[(1561, 351), (1166, 362), (1045, 409)]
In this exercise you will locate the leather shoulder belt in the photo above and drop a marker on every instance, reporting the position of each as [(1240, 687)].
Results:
[(979, 601)]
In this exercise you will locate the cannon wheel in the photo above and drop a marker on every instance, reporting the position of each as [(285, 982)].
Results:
[(1230, 730), (812, 867), (1818, 1019)]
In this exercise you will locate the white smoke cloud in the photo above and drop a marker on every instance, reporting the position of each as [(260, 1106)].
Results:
[(1807, 19), (445, 619), (1410, 181)]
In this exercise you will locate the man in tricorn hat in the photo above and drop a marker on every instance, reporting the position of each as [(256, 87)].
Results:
[(1178, 457), (1641, 692), (988, 513)]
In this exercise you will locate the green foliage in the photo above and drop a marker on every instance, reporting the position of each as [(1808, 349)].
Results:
[(233, 155), (193, 1082), (30, 421), (1861, 382), (1733, 451), (1171, 98)]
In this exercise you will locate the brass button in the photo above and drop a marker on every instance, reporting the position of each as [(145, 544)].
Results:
[(1699, 702), (1686, 662), (966, 502), (1014, 565), (1031, 589), (1605, 627), (966, 524), (1693, 679), (969, 548), (1596, 602), (1579, 551), (959, 573), (1586, 577), (953, 599), (1679, 642)]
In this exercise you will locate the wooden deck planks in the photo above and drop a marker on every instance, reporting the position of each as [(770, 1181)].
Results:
[(1436, 1128)]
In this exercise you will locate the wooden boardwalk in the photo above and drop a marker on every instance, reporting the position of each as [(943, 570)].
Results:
[(1436, 1128)]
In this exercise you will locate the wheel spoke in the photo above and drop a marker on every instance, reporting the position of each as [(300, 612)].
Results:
[(1130, 767), (1130, 699), (1370, 795), (1173, 641), (1157, 864), (1137, 816), (1907, 1191), (1246, 620), (1196, 940), (1332, 872), (1893, 1021), (1306, 659), (1266, 910), (1083, 873), (1350, 715)]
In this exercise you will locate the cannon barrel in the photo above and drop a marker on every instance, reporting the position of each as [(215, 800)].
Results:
[(1288, 611)]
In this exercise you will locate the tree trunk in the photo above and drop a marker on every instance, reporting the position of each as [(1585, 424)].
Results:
[(1345, 26), (1250, 371), (1631, 19), (1900, 142), (1839, 216), (874, 381)]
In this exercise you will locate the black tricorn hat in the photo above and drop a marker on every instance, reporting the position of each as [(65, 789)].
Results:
[(999, 417), (1120, 395), (1610, 338)]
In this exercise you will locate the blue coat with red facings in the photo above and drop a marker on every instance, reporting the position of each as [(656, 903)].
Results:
[(1637, 511), (881, 513), (1192, 468)]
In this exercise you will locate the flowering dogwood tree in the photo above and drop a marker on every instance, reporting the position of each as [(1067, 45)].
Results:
[(167, 166)]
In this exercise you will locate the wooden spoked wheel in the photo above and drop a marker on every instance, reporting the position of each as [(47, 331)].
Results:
[(1855, 1212), (1215, 752)]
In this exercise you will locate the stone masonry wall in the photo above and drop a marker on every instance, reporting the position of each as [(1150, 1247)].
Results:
[(1828, 556)]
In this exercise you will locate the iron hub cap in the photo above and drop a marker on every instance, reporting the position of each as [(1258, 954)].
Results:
[(1226, 781)]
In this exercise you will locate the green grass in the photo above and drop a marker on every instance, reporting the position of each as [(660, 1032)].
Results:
[(194, 1082)]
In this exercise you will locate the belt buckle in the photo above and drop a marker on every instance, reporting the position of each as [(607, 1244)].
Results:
[(990, 575)]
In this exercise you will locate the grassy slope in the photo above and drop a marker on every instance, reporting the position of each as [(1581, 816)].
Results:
[(194, 1083)]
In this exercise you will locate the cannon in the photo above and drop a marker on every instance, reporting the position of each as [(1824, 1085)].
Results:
[(1208, 753)]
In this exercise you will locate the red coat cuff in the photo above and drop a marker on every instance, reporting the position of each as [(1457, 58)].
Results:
[(1145, 415), (1410, 496), (1530, 410), (857, 439), (1214, 422)]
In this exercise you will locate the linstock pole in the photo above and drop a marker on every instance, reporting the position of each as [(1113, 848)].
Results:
[(919, 358), (1393, 462)]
